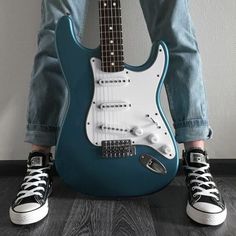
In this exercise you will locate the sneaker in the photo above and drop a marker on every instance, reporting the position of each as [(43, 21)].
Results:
[(31, 202), (205, 203)]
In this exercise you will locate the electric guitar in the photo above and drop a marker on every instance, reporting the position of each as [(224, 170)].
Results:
[(114, 140)]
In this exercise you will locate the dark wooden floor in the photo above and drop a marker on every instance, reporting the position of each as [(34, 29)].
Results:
[(160, 214)]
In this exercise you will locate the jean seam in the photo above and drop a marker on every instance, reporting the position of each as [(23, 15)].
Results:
[(191, 123), (82, 25), (190, 25), (44, 131), (43, 125)]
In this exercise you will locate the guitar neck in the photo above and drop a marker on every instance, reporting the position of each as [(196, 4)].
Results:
[(111, 38)]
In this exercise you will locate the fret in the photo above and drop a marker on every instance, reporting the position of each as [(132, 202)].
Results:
[(113, 7), (110, 28), (120, 56), (107, 65), (115, 66), (113, 50), (111, 32), (111, 46), (118, 40), (110, 20), (111, 24), (111, 35), (104, 48), (109, 3), (109, 68), (115, 63), (113, 58), (117, 69), (107, 17), (120, 61), (111, 42), (108, 53), (110, 12), (112, 63), (112, 69)]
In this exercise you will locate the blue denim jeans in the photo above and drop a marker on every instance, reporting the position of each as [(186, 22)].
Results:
[(167, 20)]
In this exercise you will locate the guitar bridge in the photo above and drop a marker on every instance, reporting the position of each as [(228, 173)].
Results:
[(117, 148)]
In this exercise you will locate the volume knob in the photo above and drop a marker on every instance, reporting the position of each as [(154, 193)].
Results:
[(137, 131), (153, 138), (166, 149)]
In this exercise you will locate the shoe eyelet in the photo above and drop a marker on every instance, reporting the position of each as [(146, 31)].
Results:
[(193, 188)]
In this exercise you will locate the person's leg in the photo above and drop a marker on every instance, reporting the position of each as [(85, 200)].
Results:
[(47, 92), (191, 144), (45, 104), (169, 20)]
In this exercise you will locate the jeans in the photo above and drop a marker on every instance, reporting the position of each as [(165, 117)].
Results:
[(167, 20)]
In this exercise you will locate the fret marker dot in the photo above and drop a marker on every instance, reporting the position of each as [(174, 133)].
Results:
[(114, 4), (111, 41), (104, 4), (112, 53), (112, 63), (110, 28)]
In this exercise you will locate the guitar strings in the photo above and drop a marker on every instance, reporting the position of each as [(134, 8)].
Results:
[(116, 45), (101, 73), (112, 65)]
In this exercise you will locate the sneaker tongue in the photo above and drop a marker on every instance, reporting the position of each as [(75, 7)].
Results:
[(196, 157), (38, 159)]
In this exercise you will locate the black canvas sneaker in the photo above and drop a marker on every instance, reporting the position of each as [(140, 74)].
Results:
[(31, 202), (205, 203)]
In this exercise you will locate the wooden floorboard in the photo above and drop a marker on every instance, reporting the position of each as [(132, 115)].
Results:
[(71, 213)]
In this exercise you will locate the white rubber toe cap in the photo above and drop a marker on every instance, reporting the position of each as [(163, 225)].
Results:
[(27, 207), (207, 207)]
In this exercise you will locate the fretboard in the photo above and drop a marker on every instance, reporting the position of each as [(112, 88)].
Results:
[(111, 39)]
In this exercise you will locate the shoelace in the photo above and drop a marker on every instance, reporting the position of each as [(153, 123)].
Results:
[(27, 184), (201, 190)]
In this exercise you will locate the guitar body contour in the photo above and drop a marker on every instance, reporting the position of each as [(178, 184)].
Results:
[(99, 113)]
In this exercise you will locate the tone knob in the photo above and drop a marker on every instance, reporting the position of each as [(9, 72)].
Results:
[(166, 149), (153, 138), (137, 131)]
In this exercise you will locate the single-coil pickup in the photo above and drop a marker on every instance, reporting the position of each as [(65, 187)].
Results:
[(115, 106), (113, 129), (113, 82)]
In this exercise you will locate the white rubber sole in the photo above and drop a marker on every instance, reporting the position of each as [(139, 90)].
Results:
[(29, 217), (206, 218)]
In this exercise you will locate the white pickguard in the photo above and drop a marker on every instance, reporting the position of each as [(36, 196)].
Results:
[(128, 103)]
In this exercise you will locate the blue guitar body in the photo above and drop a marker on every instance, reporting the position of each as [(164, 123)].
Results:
[(80, 159)]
